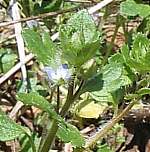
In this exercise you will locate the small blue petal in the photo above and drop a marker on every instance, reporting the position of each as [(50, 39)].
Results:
[(56, 74), (32, 23), (65, 66), (49, 71)]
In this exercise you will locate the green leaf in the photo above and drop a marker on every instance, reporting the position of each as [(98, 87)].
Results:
[(127, 76), (143, 91), (107, 85), (7, 60), (69, 133), (130, 96), (79, 38), (47, 6), (9, 130), (104, 96), (34, 99), (116, 58), (108, 79), (104, 148), (94, 84), (25, 142), (130, 8), (112, 71), (139, 56), (41, 45)]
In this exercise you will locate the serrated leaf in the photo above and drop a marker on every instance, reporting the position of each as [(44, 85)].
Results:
[(139, 56), (108, 79), (9, 130), (131, 8), (79, 38), (141, 46), (111, 72), (101, 96), (116, 58), (107, 85), (127, 76), (69, 133), (104, 96), (41, 45), (143, 91), (34, 99)]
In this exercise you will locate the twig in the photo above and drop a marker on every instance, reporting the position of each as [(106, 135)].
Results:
[(44, 15), (79, 1), (108, 126), (99, 6), (21, 51), (87, 129), (55, 36), (15, 110), (16, 68), (68, 147), (20, 43)]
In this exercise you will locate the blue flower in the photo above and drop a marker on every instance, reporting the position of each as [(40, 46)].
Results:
[(32, 23), (58, 74)]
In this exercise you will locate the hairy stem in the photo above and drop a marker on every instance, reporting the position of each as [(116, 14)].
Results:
[(50, 137), (32, 143), (54, 126), (58, 99), (105, 130), (69, 100)]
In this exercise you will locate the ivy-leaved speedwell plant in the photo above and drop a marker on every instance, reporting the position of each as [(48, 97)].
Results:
[(67, 64), (79, 41)]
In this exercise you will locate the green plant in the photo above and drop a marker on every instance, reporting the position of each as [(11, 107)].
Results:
[(72, 64)]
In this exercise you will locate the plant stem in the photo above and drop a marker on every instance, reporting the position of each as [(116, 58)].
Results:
[(125, 32), (78, 92), (58, 99), (112, 42), (69, 100), (50, 137), (54, 126), (105, 130), (31, 142)]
